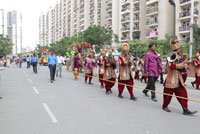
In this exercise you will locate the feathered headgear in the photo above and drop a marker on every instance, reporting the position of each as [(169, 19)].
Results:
[(125, 46), (197, 54), (174, 44)]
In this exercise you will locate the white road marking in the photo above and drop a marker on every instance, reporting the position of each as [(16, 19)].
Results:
[(35, 89), (30, 80), (51, 115)]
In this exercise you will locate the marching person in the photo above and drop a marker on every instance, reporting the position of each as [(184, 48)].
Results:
[(141, 65), (52, 62), (125, 73), (8, 62), (109, 71), (174, 82), (184, 74), (61, 62), (152, 69), (137, 68), (101, 67), (89, 67), (196, 63), (161, 72), (34, 62), (76, 65), (28, 59)]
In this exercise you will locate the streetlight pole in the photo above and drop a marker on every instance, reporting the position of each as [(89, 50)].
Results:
[(174, 5), (191, 29)]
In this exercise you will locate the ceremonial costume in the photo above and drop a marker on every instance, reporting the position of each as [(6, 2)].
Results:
[(196, 63), (76, 65), (89, 67), (109, 72), (141, 65), (125, 72), (174, 81), (184, 74), (101, 67)]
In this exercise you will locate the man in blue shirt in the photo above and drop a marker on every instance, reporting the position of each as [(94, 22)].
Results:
[(52, 62), (34, 62)]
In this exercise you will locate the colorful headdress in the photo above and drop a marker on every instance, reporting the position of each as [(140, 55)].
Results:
[(125, 46), (174, 44), (197, 54)]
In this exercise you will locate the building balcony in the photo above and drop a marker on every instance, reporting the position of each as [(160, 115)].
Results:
[(136, 19), (152, 11), (91, 14), (136, 10), (151, 2), (184, 3), (136, 1), (91, 7), (153, 34), (125, 20), (186, 15), (125, 29), (184, 29), (108, 2), (127, 2), (125, 38), (152, 23), (125, 11), (109, 17), (91, 1), (136, 28), (109, 9)]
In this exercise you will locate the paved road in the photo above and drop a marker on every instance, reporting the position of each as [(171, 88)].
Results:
[(32, 105)]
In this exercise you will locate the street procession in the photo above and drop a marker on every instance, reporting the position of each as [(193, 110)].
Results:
[(100, 67)]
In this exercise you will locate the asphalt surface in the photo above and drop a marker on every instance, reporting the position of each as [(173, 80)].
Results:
[(33, 105)]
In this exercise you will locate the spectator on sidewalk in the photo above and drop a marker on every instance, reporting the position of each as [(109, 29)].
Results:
[(61, 62), (34, 62), (52, 62)]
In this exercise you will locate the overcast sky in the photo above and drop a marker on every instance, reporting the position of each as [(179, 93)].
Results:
[(31, 10)]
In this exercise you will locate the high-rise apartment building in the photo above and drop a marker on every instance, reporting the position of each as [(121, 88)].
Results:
[(11, 27), (69, 17), (183, 14), (159, 19), (129, 19)]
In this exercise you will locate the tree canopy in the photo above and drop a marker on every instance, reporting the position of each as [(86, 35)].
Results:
[(5, 46)]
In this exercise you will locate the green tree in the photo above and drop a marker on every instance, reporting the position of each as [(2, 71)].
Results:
[(97, 35), (196, 36), (5, 46)]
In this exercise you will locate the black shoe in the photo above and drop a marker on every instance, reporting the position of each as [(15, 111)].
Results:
[(91, 83), (85, 82), (192, 84), (0, 97), (154, 99), (51, 81), (107, 93), (166, 109), (60, 76), (161, 82), (110, 91), (102, 87), (145, 93), (188, 112), (141, 79), (120, 96), (133, 98), (197, 89), (56, 75)]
